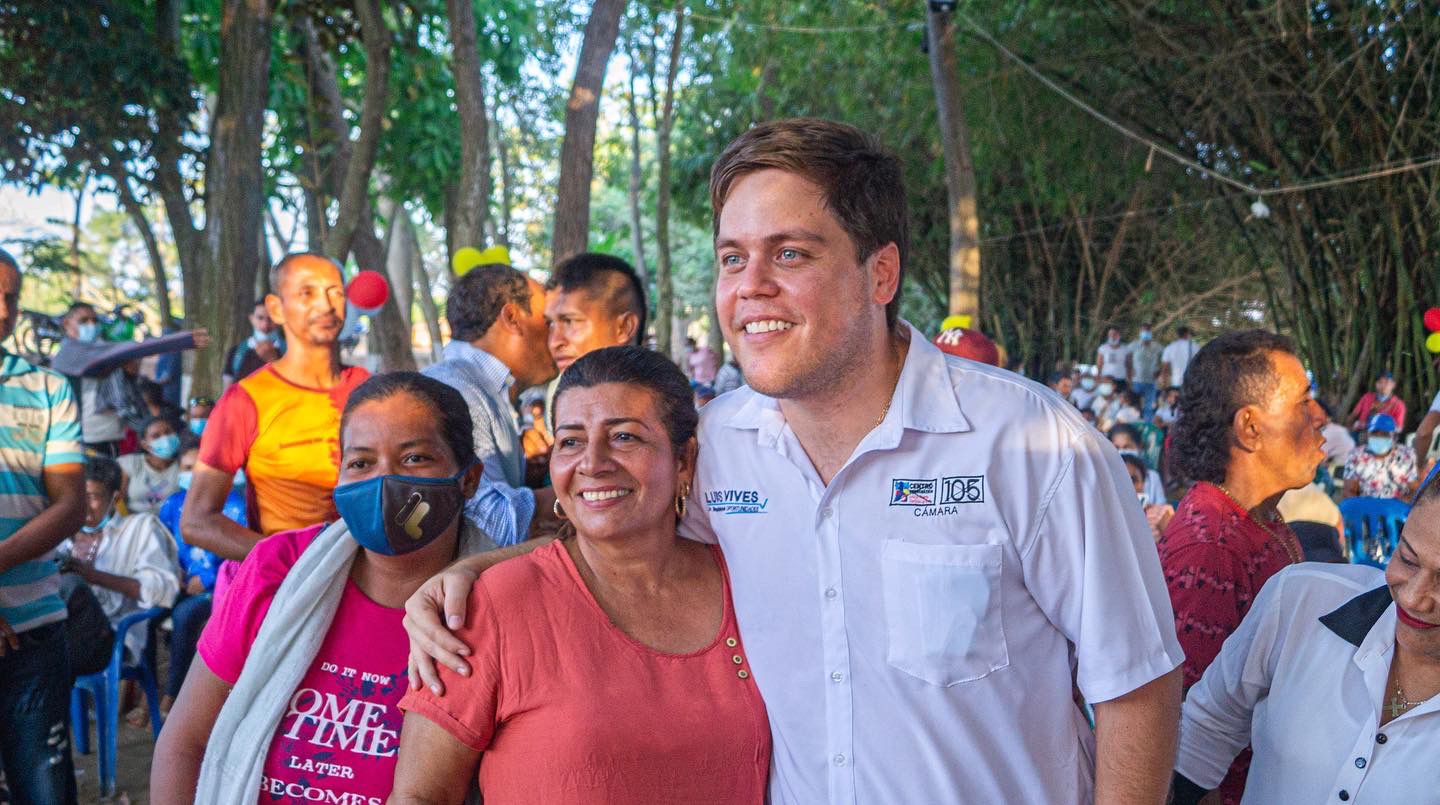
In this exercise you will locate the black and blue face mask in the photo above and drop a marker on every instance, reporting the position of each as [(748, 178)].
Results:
[(398, 514)]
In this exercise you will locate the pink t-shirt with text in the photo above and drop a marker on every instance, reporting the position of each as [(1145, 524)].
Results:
[(338, 739)]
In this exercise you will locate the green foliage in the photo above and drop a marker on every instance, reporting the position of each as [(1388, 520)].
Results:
[(81, 82)]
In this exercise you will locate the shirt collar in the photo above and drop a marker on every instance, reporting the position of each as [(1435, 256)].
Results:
[(494, 375), (1357, 621), (925, 399), (12, 365)]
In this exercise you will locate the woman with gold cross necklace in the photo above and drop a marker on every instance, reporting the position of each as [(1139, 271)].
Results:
[(1334, 679)]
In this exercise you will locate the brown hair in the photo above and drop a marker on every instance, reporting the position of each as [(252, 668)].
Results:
[(860, 181)]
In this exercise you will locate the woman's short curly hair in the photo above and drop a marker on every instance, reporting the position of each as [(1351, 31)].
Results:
[(1227, 374)]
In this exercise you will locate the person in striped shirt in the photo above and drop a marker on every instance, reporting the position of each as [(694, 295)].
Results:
[(42, 501)]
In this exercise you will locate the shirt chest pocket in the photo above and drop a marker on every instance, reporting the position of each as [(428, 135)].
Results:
[(943, 610)]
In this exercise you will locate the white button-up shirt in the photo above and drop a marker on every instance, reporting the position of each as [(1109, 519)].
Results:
[(1303, 680), (914, 626)]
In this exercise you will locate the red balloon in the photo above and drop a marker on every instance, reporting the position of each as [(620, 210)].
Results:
[(1432, 319), (368, 290)]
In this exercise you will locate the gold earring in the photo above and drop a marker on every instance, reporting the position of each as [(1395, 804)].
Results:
[(680, 503), (559, 512)]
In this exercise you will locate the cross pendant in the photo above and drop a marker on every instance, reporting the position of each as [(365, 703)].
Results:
[(1395, 708)]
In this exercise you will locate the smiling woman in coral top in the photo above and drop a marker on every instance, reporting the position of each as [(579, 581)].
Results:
[(605, 666)]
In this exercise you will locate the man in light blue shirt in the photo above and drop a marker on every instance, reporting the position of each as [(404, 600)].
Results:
[(498, 349), (42, 501)]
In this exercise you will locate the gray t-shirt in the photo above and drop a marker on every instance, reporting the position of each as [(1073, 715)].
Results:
[(1145, 360)]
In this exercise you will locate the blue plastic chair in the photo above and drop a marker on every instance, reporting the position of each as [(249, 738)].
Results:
[(104, 689), (1372, 528)]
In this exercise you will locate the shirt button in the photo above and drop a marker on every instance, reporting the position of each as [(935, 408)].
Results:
[(1344, 795), (830, 592), (826, 512), (839, 760), (731, 642), (837, 677), (1380, 739), (743, 674), (738, 659), (1359, 762)]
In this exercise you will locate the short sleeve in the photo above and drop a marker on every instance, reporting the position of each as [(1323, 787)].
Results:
[(468, 710), (230, 431), (1091, 565), (1435, 403), (62, 437), (239, 612)]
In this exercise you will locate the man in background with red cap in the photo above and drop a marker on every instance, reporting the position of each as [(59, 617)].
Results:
[(281, 424)]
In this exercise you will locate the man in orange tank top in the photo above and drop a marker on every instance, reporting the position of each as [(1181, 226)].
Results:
[(281, 425)]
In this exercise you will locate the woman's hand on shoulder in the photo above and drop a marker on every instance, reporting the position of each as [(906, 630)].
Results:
[(444, 596)]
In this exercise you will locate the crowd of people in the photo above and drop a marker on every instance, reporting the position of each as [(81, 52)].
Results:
[(836, 566)]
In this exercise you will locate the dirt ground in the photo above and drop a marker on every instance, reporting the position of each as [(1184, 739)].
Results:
[(132, 767)]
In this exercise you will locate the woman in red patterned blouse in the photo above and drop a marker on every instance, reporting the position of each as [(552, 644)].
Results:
[(1248, 431)]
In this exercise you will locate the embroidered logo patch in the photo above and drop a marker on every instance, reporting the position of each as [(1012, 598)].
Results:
[(962, 489), (735, 501), (912, 492)]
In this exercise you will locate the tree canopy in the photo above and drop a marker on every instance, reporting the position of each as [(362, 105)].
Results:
[(1118, 150)]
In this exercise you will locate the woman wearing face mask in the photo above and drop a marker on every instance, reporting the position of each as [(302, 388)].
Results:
[(129, 561), (1381, 468), (606, 666), (154, 475), (303, 661)]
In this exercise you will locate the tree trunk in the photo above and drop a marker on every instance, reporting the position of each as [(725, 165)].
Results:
[(398, 254), (637, 227), (170, 185), (959, 169), (664, 296), (286, 243), (75, 236), (389, 337), (502, 155), (234, 181), (473, 201), (136, 212), (577, 154), (359, 159), (423, 294)]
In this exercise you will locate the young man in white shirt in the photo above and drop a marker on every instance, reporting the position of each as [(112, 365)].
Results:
[(1176, 358), (881, 505), (1113, 357)]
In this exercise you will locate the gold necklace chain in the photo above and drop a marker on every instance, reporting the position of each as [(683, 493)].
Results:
[(1284, 543), (1399, 703), (893, 386)]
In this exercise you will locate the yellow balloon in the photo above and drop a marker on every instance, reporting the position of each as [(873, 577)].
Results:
[(1433, 342), (465, 259), (495, 254), (959, 321), (468, 257)]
